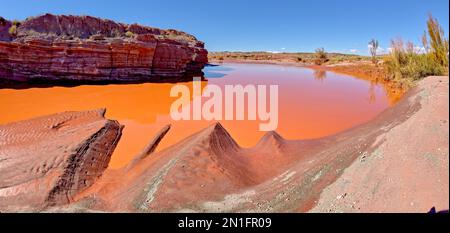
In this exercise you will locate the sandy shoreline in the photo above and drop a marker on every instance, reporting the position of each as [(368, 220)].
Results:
[(356, 69), (332, 67)]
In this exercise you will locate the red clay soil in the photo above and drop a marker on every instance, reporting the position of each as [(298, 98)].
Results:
[(397, 162)]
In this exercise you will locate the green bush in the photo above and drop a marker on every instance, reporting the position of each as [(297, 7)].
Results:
[(407, 64), (339, 59), (129, 34), (411, 66), (13, 30)]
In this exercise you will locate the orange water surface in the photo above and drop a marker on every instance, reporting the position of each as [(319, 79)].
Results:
[(312, 104)]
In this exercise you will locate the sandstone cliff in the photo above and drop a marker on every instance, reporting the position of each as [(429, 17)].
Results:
[(51, 48)]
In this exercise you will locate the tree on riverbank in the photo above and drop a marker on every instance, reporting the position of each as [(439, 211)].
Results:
[(373, 47), (438, 42)]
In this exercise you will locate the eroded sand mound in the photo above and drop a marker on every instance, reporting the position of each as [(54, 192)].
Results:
[(47, 160)]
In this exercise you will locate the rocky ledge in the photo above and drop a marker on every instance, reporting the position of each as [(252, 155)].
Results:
[(51, 48)]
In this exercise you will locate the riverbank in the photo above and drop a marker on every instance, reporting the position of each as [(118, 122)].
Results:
[(353, 65)]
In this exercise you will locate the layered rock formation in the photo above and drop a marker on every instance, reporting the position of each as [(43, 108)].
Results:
[(51, 48), (47, 160)]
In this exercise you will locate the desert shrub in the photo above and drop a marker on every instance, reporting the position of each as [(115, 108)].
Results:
[(339, 58), (129, 34), (407, 63), (320, 56), (13, 30), (299, 59)]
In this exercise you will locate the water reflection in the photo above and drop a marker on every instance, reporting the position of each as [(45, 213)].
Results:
[(216, 71), (372, 94), (307, 108), (320, 75)]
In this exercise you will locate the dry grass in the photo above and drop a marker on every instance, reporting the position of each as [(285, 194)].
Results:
[(406, 63)]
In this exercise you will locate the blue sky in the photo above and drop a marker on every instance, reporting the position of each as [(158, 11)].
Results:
[(251, 25)]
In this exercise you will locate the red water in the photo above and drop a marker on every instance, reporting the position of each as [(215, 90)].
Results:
[(312, 104)]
